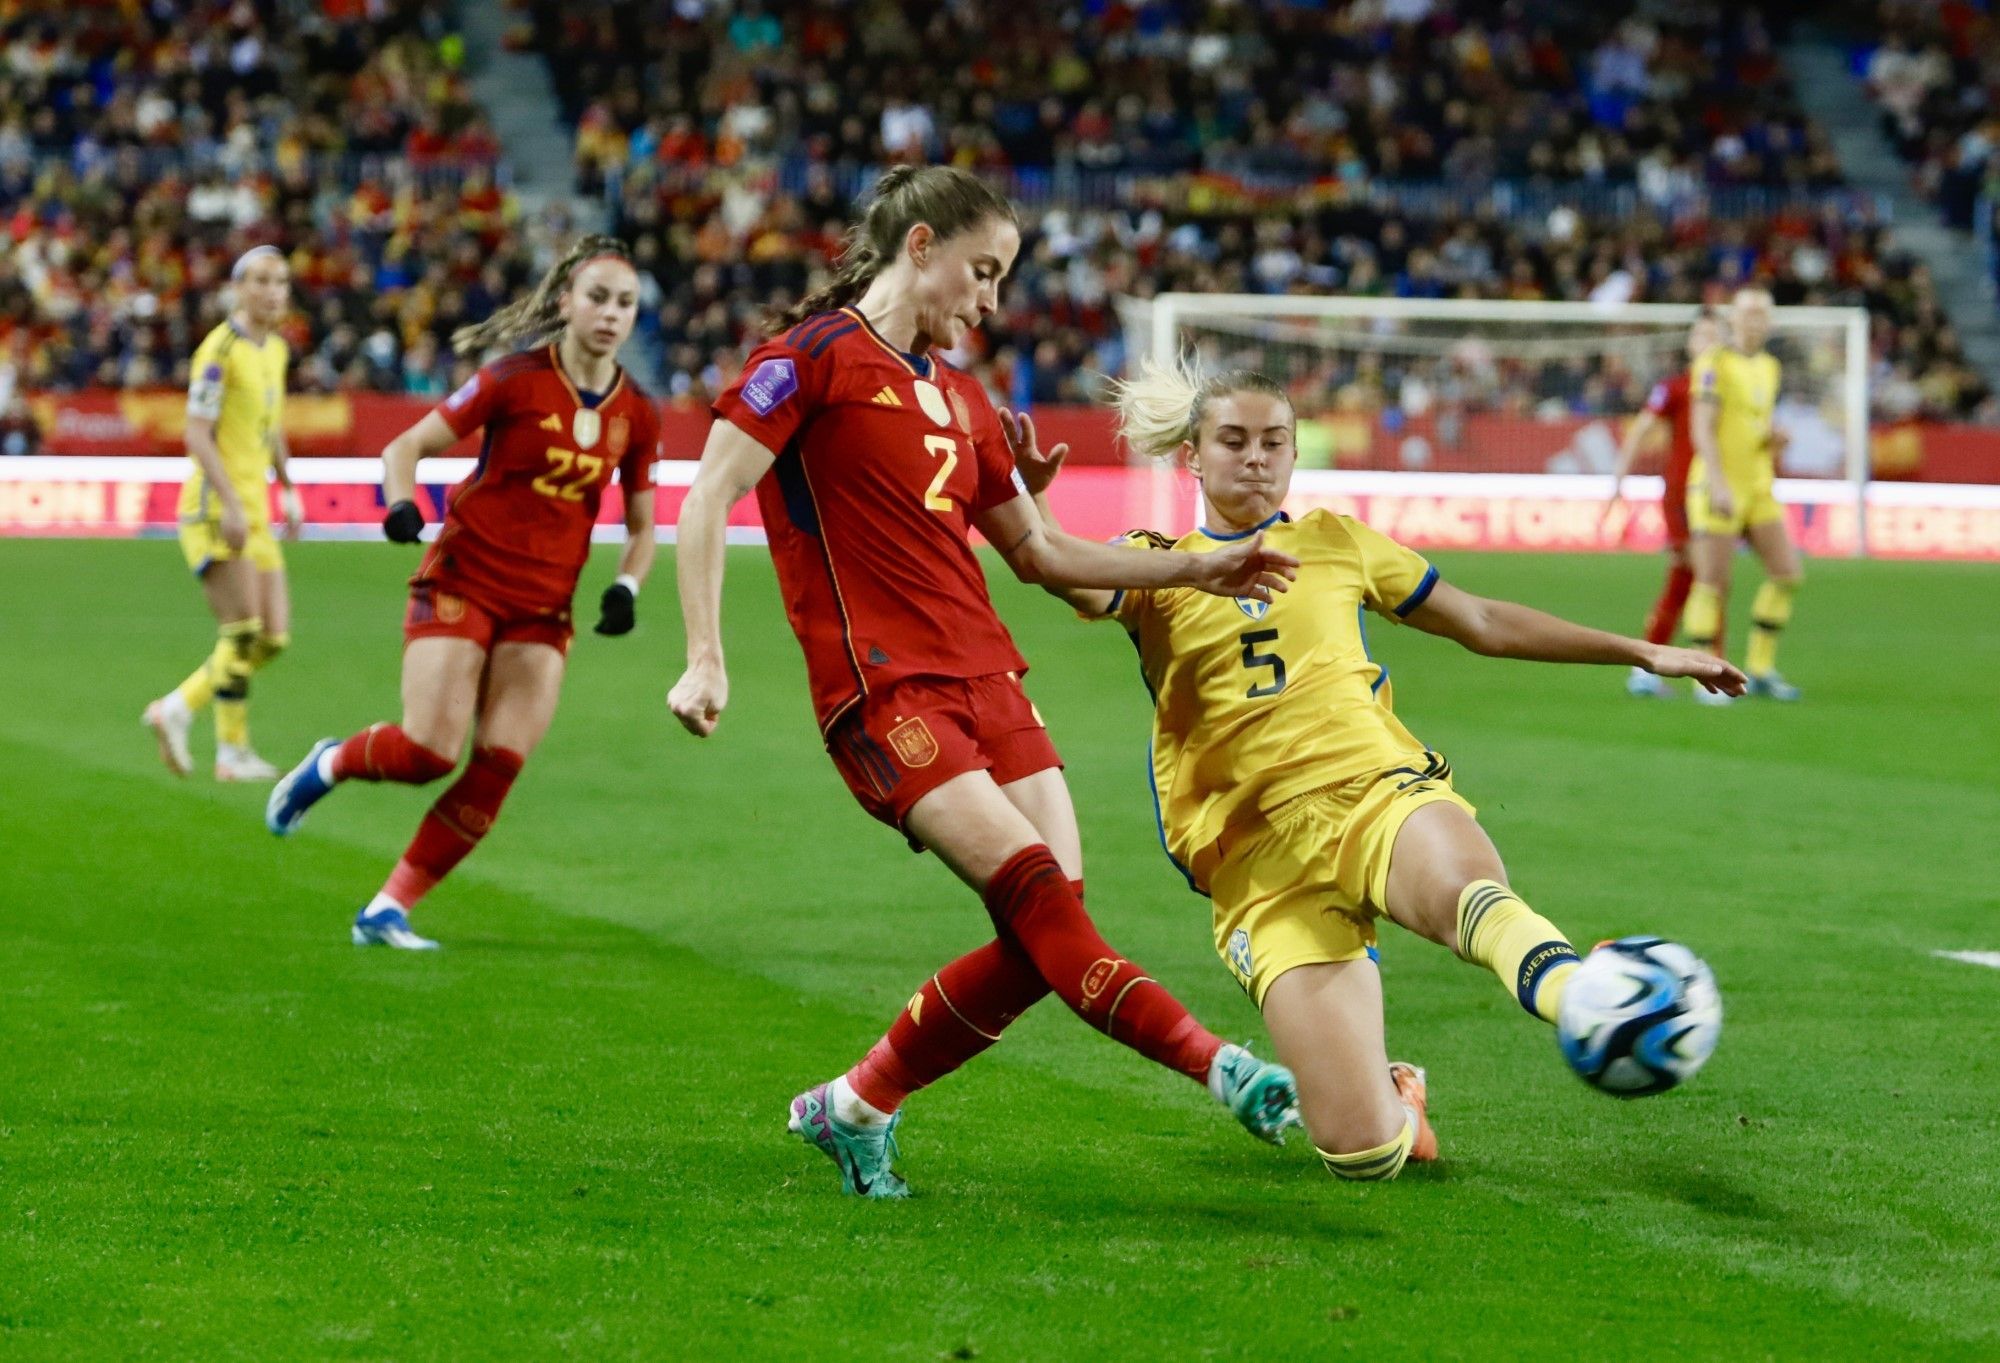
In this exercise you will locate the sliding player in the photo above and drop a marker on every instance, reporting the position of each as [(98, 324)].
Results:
[(236, 438), (1288, 790), (488, 627), (873, 461), (1730, 498), (1667, 405)]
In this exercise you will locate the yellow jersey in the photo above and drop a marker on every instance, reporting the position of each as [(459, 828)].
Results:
[(1745, 388), (240, 386), (1255, 702)]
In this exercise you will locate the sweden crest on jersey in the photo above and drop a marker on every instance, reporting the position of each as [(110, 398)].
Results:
[(1252, 607)]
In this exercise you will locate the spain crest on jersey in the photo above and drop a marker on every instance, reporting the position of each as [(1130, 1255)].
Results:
[(617, 435)]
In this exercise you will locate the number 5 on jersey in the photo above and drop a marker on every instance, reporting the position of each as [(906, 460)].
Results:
[(1253, 659)]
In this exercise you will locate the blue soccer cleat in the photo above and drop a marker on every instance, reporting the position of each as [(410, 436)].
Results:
[(301, 789), (388, 926), (1771, 686), (863, 1154), (1261, 1095)]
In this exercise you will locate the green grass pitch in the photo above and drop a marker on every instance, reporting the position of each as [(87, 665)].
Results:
[(227, 1134)]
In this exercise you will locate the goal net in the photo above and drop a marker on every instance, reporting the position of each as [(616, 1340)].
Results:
[(1511, 400)]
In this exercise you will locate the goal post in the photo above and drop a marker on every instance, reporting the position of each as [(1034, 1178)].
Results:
[(1394, 390)]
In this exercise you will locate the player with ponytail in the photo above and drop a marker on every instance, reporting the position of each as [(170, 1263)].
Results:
[(873, 460), (488, 627), (1288, 790)]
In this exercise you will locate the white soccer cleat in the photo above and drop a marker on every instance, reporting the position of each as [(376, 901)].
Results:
[(388, 926), (1647, 686), (241, 764), (170, 719), (1704, 696)]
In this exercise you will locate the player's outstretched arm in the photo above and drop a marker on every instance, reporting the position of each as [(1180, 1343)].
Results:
[(1505, 629), (731, 464), (617, 609), (428, 438), (1048, 557)]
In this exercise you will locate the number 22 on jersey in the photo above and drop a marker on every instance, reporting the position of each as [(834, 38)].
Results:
[(561, 463)]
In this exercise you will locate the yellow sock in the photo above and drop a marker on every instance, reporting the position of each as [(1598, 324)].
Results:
[(199, 689), (1526, 950), (1382, 1163), (1769, 613), (1702, 620), (233, 667), (265, 648)]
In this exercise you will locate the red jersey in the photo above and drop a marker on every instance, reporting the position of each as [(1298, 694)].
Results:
[(1669, 402), (517, 531), (884, 461)]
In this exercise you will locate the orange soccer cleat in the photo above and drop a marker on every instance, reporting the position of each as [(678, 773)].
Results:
[(1409, 1082)]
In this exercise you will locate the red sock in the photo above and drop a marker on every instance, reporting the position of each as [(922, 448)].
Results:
[(959, 1012), (454, 825), (1034, 904), (383, 752), (1666, 616)]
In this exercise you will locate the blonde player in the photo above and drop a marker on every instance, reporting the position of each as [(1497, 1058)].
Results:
[(1286, 787), (1729, 495), (236, 399)]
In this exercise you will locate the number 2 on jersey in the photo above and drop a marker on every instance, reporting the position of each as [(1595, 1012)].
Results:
[(944, 445), (1253, 659), (561, 461)]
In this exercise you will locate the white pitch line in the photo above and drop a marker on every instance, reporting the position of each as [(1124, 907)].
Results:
[(1985, 958)]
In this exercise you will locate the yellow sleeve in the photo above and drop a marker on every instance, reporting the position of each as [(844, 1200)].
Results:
[(1394, 580), (1128, 606), (207, 376)]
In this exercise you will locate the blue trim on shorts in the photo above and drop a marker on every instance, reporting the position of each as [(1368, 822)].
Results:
[(1375, 955)]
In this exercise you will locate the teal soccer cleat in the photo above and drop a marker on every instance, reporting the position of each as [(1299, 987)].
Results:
[(1262, 1096), (1771, 686), (863, 1154)]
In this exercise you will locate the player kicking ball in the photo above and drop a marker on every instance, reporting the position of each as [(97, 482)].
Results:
[(487, 632), (1289, 792)]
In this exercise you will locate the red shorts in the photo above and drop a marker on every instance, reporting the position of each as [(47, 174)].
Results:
[(898, 745), (440, 609), (1674, 507)]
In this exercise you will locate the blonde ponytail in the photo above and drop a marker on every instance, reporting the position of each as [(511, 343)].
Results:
[(1162, 408)]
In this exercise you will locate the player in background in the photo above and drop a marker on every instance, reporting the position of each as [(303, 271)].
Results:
[(1287, 789), (488, 627), (236, 438), (1730, 497), (1667, 406), (872, 461)]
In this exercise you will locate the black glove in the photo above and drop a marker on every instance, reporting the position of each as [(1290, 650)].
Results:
[(615, 609), (403, 523)]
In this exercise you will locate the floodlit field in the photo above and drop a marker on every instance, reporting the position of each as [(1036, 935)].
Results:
[(227, 1134)]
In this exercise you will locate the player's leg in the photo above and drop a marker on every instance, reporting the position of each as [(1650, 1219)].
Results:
[(1771, 611), (1665, 617), (274, 615), (1711, 554), (1325, 1021), (523, 683), (1445, 881), (229, 586)]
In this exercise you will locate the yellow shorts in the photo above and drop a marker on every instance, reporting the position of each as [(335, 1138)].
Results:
[(202, 545), (1751, 504), (1306, 886)]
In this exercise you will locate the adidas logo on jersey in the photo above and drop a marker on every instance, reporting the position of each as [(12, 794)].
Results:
[(552, 422), (887, 397)]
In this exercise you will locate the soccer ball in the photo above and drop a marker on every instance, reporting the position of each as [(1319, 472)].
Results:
[(1640, 1015)]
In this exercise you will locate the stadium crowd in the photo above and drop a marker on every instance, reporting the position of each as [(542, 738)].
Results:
[(141, 150), (1933, 74)]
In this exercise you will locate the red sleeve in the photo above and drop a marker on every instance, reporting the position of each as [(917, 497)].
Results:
[(635, 471), (998, 482), (473, 405), (770, 400)]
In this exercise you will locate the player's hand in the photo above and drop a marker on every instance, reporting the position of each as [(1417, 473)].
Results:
[(1714, 674), (1721, 502), (1037, 470), (294, 510), (235, 526), (616, 609), (698, 698), (1245, 569), (404, 523)]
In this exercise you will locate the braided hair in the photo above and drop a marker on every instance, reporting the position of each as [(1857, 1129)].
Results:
[(945, 198), (538, 316)]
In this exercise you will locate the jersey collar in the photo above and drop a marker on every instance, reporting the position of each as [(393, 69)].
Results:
[(576, 396), (1264, 524), (923, 366)]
